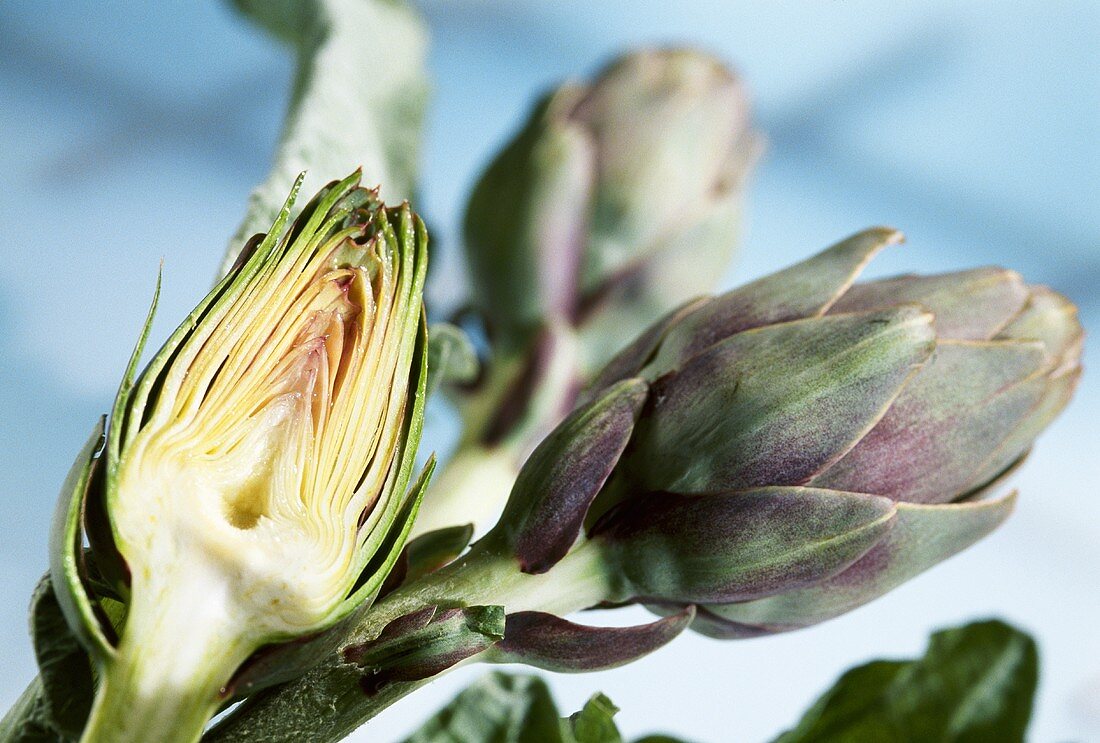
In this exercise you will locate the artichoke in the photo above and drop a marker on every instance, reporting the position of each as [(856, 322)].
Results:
[(586, 217), (616, 202), (254, 484), (781, 454)]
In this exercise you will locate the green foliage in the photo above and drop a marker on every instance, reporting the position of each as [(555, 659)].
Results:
[(974, 683), (594, 723), (64, 665), (505, 708)]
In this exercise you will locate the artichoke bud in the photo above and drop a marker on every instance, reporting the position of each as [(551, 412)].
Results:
[(788, 451), (256, 476), (424, 643), (617, 201)]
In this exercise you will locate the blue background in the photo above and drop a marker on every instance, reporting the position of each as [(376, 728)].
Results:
[(131, 133)]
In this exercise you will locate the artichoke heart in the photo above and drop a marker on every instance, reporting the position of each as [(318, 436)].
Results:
[(273, 435)]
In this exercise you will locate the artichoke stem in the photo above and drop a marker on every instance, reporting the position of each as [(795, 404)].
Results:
[(166, 679), (125, 711), (490, 575)]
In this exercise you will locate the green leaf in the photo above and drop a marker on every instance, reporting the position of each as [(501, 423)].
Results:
[(55, 705), (594, 723), (29, 721), (974, 683), (358, 99), (506, 708), (498, 708), (63, 664), (451, 357)]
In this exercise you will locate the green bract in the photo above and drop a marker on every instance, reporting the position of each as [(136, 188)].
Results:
[(254, 483)]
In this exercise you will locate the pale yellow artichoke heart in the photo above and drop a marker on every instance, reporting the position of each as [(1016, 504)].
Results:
[(254, 480)]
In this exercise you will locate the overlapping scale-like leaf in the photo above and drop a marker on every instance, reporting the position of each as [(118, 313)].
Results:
[(922, 536), (966, 400), (775, 405), (554, 489), (968, 305), (1050, 318), (806, 289), (737, 546)]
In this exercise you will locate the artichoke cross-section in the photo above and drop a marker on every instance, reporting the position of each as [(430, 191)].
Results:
[(255, 480)]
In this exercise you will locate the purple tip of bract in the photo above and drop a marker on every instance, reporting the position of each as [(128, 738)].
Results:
[(550, 499), (555, 644)]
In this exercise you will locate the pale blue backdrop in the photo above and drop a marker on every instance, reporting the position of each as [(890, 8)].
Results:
[(132, 132)]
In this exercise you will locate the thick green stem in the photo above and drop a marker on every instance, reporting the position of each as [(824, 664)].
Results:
[(129, 710), (181, 644), (490, 576), (328, 703), (141, 699)]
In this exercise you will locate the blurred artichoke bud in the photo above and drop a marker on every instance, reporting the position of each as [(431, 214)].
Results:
[(616, 202), (255, 478), (788, 451)]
